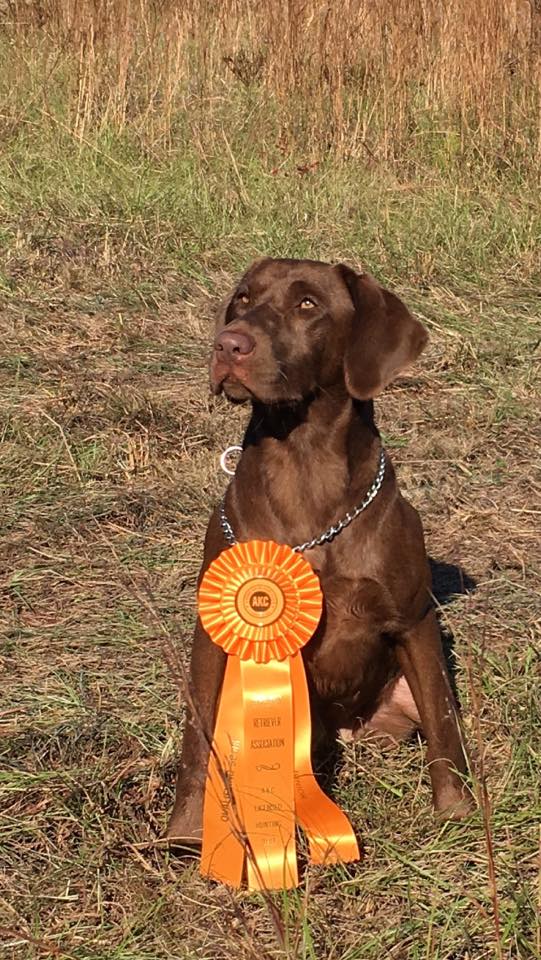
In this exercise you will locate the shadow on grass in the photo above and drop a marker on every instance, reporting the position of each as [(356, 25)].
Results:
[(449, 582)]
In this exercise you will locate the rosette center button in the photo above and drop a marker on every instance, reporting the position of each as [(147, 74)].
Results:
[(260, 601)]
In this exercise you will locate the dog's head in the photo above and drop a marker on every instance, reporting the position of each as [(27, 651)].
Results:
[(293, 327)]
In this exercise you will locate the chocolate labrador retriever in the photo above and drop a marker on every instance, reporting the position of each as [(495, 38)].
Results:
[(309, 345)]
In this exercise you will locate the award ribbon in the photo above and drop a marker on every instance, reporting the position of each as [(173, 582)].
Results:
[(261, 602)]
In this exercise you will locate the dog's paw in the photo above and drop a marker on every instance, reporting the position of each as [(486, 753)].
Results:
[(454, 804), (185, 828)]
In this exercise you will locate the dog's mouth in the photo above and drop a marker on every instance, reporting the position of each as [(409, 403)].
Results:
[(231, 381), (235, 390), (239, 385)]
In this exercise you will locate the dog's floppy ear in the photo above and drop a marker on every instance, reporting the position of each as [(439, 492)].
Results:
[(384, 336)]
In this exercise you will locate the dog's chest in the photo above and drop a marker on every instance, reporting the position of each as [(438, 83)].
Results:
[(350, 647)]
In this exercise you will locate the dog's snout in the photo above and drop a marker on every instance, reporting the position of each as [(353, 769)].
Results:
[(234, 344)]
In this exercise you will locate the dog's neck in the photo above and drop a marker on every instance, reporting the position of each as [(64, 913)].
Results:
[(303, 466)]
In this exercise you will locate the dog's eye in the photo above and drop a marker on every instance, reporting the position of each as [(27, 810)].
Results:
[(307, 303), (243, 297)]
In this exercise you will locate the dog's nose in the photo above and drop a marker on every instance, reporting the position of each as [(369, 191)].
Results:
[(233, 344)]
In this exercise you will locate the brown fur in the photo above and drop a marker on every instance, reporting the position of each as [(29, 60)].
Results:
[(310, 345)]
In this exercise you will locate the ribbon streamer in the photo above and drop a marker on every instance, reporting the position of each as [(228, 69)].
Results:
[(261, 602)]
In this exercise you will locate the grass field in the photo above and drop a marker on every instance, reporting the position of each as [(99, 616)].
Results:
[(114, 252)]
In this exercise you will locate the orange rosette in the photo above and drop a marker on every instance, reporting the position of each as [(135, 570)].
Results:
[(261, 602)]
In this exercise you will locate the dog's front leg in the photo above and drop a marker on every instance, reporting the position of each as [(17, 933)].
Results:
[(207, 667), (206, 676), (420, 654)]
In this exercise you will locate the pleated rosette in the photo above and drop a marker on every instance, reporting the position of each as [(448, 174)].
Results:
[(260, 601)]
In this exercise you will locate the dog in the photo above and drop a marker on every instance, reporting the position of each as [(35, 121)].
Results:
[(310, 345)]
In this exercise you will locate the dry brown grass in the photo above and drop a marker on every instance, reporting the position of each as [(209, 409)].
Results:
[(372, 77)]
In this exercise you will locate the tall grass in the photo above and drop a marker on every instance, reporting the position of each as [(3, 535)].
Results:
[(392, 81)]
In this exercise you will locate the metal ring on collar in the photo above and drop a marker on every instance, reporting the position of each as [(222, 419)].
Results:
[(227, 453)]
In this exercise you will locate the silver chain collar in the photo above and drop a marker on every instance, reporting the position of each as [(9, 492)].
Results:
[(333, 530)]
